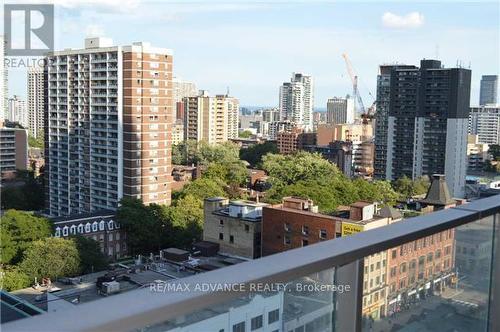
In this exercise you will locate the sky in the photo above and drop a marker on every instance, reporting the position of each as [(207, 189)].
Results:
[(252, 47)]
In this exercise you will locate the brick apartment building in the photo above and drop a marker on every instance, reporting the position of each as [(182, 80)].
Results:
[(424, 266), (108, 121), (293, 140), (100, 226), (295, 223)]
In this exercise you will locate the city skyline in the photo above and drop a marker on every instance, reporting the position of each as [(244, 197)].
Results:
[(315, 46)]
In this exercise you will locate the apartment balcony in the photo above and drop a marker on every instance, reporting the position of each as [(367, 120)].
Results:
[(320, 287)]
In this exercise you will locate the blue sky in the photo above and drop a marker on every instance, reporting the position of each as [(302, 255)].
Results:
[(252, 47)]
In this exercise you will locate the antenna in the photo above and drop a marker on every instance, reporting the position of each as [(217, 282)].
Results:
[(437, 51), (227, 91)]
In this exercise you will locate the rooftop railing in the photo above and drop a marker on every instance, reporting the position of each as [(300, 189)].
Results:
[(412, 275)]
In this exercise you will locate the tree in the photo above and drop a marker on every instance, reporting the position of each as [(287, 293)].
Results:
[(245, 134), (404, 186), (494, 150), (226, 152), (288, 169), (36, 142), (185, 153), (29, 197), (18, 230), (229, 172), (12, 278), (186, 220), (142, 225), (203, 188), (253, 154), (407, 188), (421, 185), (91, 257), (51, 257)]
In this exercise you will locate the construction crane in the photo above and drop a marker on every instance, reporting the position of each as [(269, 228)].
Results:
[(366, 117)]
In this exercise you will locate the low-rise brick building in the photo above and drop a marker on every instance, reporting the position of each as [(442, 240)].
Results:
[(100, 226), (293, 224)]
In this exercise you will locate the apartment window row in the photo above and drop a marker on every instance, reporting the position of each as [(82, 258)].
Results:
[(305, 231)]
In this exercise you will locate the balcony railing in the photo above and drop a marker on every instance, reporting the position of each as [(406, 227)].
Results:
[(460, 295)]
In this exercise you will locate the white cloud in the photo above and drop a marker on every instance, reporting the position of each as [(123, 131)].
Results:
[(94, 30), (410, 20)]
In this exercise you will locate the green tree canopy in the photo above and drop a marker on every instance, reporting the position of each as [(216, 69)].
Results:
[(253, 154), (28, 197), (36, 142), (494, 150), (13, 278), (91, 257), (407, 187), (288, 169), (51, 257), (245, 134), (142, 225), (19, 229), (203, 188)]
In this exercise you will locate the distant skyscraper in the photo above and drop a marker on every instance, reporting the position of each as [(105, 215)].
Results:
[(382, 117), (484, 121), (270, 115), (109, 116), (181, 90), (4, 86), (297, 101), (427, 130), (211, 119), (340, 110), (35, 102), (489, 90), (17, 111)]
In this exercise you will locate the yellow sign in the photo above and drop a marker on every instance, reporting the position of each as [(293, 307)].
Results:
[(349, 229)]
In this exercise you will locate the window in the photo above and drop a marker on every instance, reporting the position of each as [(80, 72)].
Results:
[(80, 228), (402, 268), (221, 222), (287, 227), (429, 257), (273, 316), (231, 238), (94, 226), (322, 234), (247, 228), (305, 243), (438, 254), (87, 228), (101, 225), (421, 261), (378, 265), (305, 230), (256, 323), (286, 239), (72, 229), (394, 254), (221, 236), (240, 327), (58, 232), (393, 271), (110, 237)]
